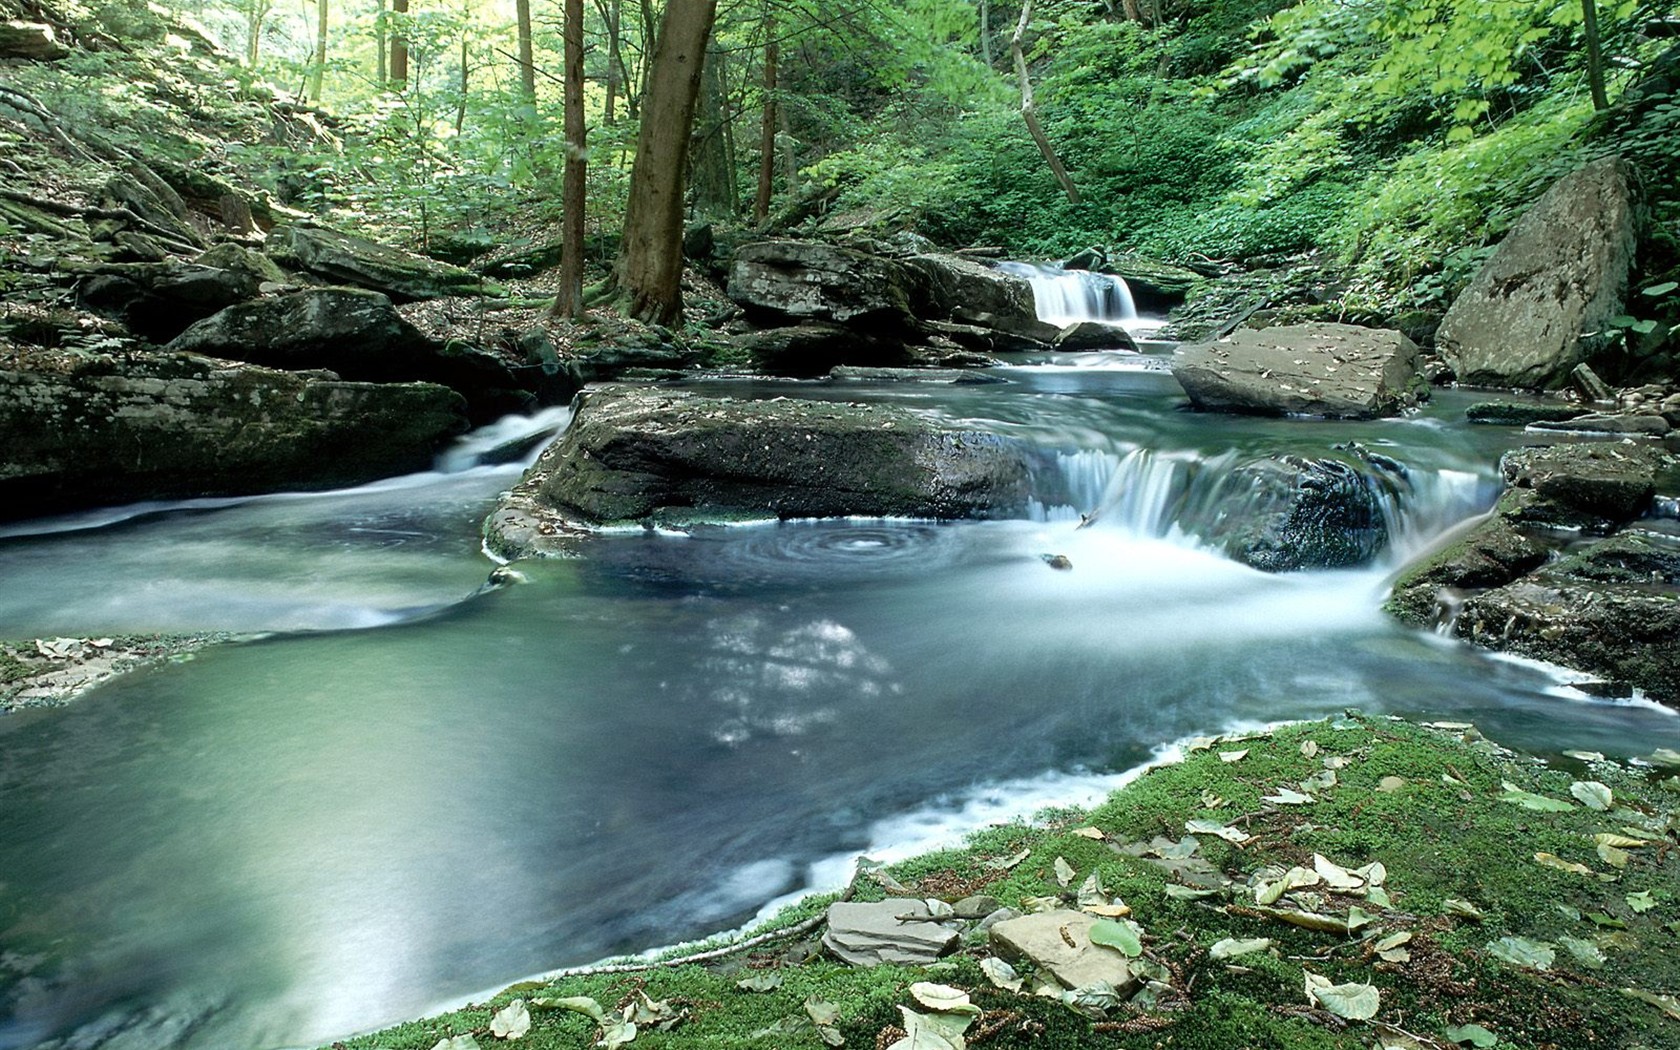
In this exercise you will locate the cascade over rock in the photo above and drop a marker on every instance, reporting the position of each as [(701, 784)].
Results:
[(87, 430), (634, 454), (343, 258), (1542, 303), (357, 334), (1336, 370)]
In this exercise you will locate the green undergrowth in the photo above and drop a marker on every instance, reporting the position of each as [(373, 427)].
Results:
[(1456, 887)]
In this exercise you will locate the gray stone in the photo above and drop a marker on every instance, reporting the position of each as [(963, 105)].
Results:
[(967, 291), (1492, 554), (30, 40), (86, 430), (158, 300), (1542, 303), (1059, 943), (1334, 370), (1520, 413), (794, 281), (899, 931), (1094, 335), (936, 376), (343, 258), (1593, 485), (813, 348), (1629, 423), (976, 907), (631, 453)]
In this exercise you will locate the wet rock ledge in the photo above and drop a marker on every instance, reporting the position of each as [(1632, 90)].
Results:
[(639, 455)]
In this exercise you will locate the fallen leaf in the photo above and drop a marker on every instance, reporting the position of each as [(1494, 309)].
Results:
[(1189, 893), (822, 1012), (1358, 918), (1389, 785), (1213, 827), (763, 981), (1378, 896), (1293, 879), (1306, 919), (1036, 905), (655, 1012), (1520, 951), (615, 1034), (1233, 756), (1641, 902), (1528, 800), (1212, 801), (1551, 860), (1231, 948), (1183, 849), (1474, 1034), (1354, 1002), (942, 998), (1064, 871), (582, 1004), (1585, 952), (1005, 863), (1334, 875), (1124, 936), (1324, 778), (1610, 838), (1309, 748), (1090, 833), (1666, 1003), (1616, 858), (1592, 794), (1093, 1000), (511, 1021), (460, 1042), (1664, 756), (932, 1031), (1463, 909), (1289, 797), (1001, 974)]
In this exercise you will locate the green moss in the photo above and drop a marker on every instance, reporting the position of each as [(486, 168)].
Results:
[(1426, 803)]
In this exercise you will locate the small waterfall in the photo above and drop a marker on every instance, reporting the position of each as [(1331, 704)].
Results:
[(511, 439), (1139, 491), (1065, 297)]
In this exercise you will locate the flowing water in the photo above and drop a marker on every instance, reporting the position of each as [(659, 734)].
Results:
[(407, 789)]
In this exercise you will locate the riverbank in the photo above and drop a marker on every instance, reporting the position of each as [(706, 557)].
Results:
[(48, 672), (1354, 882)]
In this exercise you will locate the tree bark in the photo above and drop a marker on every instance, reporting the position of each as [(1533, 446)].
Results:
[(318, 65), (1029, 112), (569, 301), (986, 32), (650, 259), (381, 77), (461, 103), (527, 55), (1595, 58), (612, 15), (714, 183), (399, 49), (253, 37), (767, 125)]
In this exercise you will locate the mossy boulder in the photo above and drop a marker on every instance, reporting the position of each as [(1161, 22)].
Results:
[(786, 282), (343, 258), (83, 430), (1598, 486)]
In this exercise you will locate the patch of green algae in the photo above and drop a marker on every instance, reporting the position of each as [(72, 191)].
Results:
[(1462, 873)]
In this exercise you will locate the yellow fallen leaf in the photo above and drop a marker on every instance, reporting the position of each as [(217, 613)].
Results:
[(1553, 861), (1090, 833)]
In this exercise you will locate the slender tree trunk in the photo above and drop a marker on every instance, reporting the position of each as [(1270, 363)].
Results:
[(569, 301), (399, 49), (789, 152), (1595, 58), (1029, 112), (986, 32), (381, 77), (318, 65), (527, 57), (767, 124), (253, 36), (650, 259), (461, 103), (650, 44), (612, 16), (714, 188)]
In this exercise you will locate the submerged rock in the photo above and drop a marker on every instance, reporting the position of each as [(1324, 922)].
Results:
[(900, 931), (87, 430), (1094, 335), (634, 454), (1542, 304), (1288, 513), (1520, 413), (1640, 424), (1335, 370), (1593, 486)]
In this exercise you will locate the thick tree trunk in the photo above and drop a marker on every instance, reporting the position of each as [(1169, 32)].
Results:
[(714, 183), (399, 49), (527, 55), (318, 65), (1029, 112), (767, 125), (1595, 58), (569, 301), (650, 259)]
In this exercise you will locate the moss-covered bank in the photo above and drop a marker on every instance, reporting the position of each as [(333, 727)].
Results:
[(1529, 903)]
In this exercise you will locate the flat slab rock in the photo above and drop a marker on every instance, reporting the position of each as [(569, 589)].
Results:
[(876, 933), (1059, 943), (1333, 370)]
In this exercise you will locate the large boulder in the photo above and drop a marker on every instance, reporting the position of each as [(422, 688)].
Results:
[(343, 258), (968, 292), (789, 282), (1335, 370), (1543, 302), (355, 333), (634, 454), (1286, 513), (35, 41), (1592, 486), (1493, 553), (157, 301), (811, 349), (83, 430)]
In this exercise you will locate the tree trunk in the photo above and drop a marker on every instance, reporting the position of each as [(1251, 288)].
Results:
[(986, 32), (399, 48), (253, 37), (714, 187), (767, 125), (569, 301), (1595, 58), (318, 66), (527, 56), (1029, 112), (612, 15), (461, 103), (381, 77), (650, 259)]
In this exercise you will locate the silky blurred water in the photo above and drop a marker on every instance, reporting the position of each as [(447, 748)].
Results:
[(411, 789)]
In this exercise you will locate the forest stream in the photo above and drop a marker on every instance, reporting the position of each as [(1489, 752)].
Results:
[(406, 788)]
